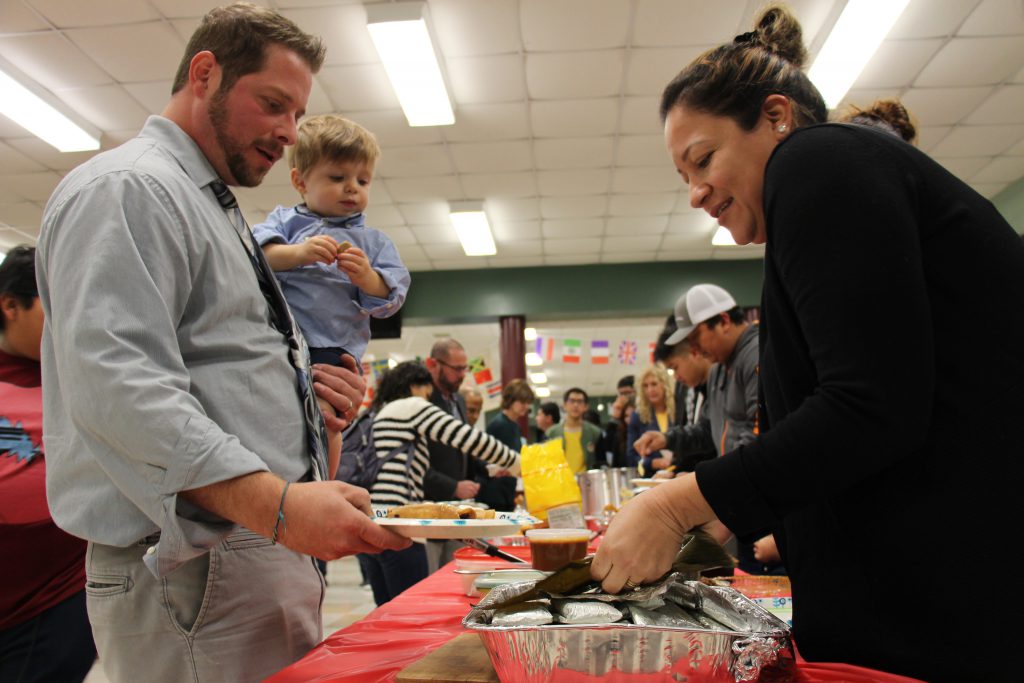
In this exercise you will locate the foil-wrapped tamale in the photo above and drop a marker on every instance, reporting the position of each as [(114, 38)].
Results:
[(678, 616), (684, 594), (586, 612), (705, 621), (530, 613), (724, 614)]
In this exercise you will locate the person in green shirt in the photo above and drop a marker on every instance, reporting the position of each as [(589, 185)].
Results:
[(516, 399), (579, 437)]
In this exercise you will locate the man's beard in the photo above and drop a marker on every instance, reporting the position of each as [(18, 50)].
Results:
[(446, 385), (234, 156)]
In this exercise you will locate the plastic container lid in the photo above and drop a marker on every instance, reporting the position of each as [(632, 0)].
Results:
[(558, 534)]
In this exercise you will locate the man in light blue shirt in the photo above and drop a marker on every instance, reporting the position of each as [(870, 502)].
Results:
[(177, 441)]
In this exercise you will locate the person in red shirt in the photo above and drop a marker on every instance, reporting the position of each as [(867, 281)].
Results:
[(44, 628)]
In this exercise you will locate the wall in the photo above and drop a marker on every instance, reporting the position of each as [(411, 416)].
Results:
[(572, 292), (1010, 203)]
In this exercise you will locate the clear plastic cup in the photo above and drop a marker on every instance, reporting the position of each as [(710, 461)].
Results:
[(552, 549)]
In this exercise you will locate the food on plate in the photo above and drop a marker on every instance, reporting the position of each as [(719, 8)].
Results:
[(470, 512), (424, 511)]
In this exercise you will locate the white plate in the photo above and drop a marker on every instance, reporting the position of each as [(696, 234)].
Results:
[(450, 528), (647, 483)]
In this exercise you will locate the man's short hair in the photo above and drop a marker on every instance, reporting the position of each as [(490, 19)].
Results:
[(516, 390), (443, 348), (329, 137), (627, 381), (576, 390), (238, 35), (18, 277), (736, 316), (550, 408)]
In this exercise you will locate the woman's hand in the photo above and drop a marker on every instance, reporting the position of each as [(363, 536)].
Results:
[(645, 535)]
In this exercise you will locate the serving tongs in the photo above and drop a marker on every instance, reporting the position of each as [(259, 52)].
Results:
[(492, 550)]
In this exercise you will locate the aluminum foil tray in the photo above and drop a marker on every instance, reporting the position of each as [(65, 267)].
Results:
[(627, 653)]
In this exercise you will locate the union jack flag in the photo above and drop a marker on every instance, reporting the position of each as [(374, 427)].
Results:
[(627, 353)]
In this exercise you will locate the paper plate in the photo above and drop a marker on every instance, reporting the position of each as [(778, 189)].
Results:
[(450, 528)]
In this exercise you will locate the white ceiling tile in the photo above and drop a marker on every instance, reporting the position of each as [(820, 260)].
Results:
[(516, 184), (687, 22), (449, 250), (585, 227), (16, 17), (155, 50), (36, 186), (974, 61), (650, 204), (573, 207), (343, 30), (697, 240), (521, 248), (23, 216), (662, 178), (572, 259), (988, 190), (65, 14), (1017, 150), (573, 183), (425, 189), (52, 61), (10, 237), (184, 28), (357, 88), (964, 167), (467, 28), (559, 153), (897, 62), (640, 116), (696, 254), (380, 215), (393, 130), (177, 9), (152, 95), (319, 101), (399, 235), (574, 118), (574, 75), (108, 107), (1006, 105), (636, 225), (651, 69), (943, 106), (972, 141), (305, 3), (6, 197), (550, 26), (865, 96), (426, 213), (929, 136), (13, 160), (411, 251), (628, 257), (512, 261), (419, 266), (505, 209), (473, 157), (44, 155), (487, 80), (578, 245), (691, 222), (489, 123), (414, 161), (9, 129), (634, 243), (1019, 78), (683, 203), (1004, 169), (995, 18), (462, 263), (750, 251), (931, 18), (642, 150)]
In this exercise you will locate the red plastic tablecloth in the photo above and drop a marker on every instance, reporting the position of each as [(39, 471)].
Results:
[(428, 615)]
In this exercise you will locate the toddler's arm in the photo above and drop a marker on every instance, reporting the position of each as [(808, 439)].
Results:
[(320, 248), (355, 263)]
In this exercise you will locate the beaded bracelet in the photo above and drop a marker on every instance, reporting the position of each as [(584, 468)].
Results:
[(280, 513)]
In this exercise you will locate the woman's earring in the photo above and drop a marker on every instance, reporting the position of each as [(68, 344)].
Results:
[(782, 128)]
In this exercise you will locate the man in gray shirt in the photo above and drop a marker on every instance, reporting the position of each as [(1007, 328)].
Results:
[(177, 442)]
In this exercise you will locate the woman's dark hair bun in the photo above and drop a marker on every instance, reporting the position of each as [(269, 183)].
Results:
[(779, 32)]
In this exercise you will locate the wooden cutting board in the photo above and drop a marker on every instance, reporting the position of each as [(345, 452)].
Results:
[(463, 659)]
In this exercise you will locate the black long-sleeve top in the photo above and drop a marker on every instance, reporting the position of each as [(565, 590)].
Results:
[(892, 368)]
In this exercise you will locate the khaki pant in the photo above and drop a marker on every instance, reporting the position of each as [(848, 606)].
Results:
[(243, 611)]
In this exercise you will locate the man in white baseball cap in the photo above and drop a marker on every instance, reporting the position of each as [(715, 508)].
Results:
[(707, 316)]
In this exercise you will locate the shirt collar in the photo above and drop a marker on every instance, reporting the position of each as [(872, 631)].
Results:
[(182, 147), (354, 221)]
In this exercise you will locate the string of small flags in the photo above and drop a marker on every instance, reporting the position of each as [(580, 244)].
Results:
[(570, 350)]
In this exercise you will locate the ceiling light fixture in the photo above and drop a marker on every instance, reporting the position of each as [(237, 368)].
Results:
[(534, 359), (542, 392), (472, 227), (401, 34), (538, 378), (861, 28), (40, 113), (530, 334), (723, 238)]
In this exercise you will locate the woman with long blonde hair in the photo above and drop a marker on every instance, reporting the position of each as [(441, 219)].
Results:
[(655, 411)]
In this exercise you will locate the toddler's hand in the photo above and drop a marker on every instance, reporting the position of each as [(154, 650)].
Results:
[(356, 265), (318, 249)]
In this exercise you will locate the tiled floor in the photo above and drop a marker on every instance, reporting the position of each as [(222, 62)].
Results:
[(344, 603)]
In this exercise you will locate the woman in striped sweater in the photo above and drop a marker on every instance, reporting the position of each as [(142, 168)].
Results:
[(406, 417)]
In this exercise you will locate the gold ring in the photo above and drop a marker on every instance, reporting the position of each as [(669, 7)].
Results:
[(629, 585)]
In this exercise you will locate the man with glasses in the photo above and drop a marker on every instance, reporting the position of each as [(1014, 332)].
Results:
[(579, 437)]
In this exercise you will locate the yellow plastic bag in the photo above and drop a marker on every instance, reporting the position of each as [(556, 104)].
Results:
[(547, 480)]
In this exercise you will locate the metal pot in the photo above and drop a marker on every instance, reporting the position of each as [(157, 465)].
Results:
[(602, 489)]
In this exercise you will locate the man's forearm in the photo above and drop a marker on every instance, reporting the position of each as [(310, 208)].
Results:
[(250, 500)]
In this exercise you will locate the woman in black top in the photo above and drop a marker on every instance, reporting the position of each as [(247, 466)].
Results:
[(892, 366)]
